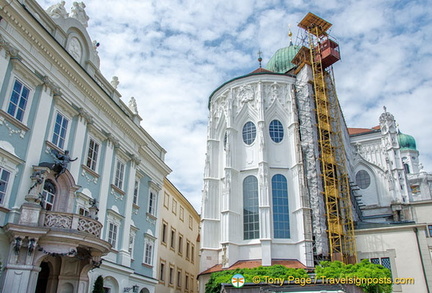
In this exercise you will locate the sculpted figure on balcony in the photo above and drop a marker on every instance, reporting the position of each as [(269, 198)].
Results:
[(61, 162)]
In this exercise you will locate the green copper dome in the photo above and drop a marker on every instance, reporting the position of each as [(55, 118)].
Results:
[(280, 62), (406, 142)]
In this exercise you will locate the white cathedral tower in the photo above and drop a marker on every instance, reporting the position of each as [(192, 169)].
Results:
[(254, 203)]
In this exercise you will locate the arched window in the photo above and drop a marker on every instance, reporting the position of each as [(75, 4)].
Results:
[(276, 131), (249, 133), (48, 195), (250, 208), (281, 225)]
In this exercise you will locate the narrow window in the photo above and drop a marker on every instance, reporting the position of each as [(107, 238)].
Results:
[(119, 177), (60, 130), (112, 234), (187, 282), (180, 244), (162, 272), (164, 232), (48, 195), (250, 208), (135, 195), (152, 203), (179, 277), (187, 250), (148, 254), (172, 239), (171, 275), (18, 101), (4, 180), (92, 155), (281, 225)]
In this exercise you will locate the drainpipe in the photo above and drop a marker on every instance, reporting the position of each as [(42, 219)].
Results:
[(421, 259)]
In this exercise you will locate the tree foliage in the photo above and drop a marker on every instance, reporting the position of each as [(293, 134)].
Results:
[(362, 272), (217, 278), (98, 285)]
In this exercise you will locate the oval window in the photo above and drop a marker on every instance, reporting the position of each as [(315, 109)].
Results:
[(363, 179), (249, 133), (276, 131)]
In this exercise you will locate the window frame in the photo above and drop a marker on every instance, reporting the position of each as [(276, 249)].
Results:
[(4, 193), (276, 131), (179, 278), (94, 158), (251, 202), (280, 207), (361, 180), (180, 244), (173, 238), (164, 233), (112, 236), (162, 264), (188, 245), (149, 249), (181, 213), (119, 182), (135, 199), (174, 206), (25, 111), (60, 144), (152, 202), (249, 133)]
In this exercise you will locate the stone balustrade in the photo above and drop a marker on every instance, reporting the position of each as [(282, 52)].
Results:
[(70, 221)]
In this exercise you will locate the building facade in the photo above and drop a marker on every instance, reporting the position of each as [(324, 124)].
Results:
[(178, 243), (265, 177), (80, 178)]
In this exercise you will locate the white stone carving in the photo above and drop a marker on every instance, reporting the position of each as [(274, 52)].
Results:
[(77, 12), (115, 82), (75, 49), (133, 106), (57, 10)]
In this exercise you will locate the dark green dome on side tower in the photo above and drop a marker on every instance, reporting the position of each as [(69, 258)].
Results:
[(280, 62), (406, 142)]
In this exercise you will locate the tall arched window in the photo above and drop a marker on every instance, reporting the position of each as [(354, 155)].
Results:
[(250, 208), (281, 225)]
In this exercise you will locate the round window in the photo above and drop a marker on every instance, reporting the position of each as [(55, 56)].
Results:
[(276, 131), (249, 133), (363, 179)]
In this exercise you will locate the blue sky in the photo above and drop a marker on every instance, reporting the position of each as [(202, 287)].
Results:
[(170, 55)]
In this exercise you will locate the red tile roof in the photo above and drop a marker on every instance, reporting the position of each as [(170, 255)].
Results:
[(248, 264), (354, 131), (260, 70)]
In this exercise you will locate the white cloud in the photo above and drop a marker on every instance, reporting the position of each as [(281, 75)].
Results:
[(170, 55)]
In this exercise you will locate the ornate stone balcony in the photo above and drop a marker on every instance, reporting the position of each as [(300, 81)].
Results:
[(70, 221)]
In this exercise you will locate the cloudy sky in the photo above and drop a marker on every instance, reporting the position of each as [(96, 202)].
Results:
[(171, 54)]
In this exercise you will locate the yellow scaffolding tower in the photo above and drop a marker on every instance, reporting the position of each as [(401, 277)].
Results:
[(332, 153)]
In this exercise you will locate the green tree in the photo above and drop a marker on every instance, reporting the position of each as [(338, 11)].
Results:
[(217, 278), (361, 273), (98, 285)]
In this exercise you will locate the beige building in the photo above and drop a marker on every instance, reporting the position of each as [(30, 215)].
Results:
[(405, 248), (178, 243)]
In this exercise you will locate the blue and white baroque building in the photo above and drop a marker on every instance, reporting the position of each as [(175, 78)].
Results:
[(79, 177)]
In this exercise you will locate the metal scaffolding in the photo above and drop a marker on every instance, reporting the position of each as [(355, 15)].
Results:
[(323, 52)]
